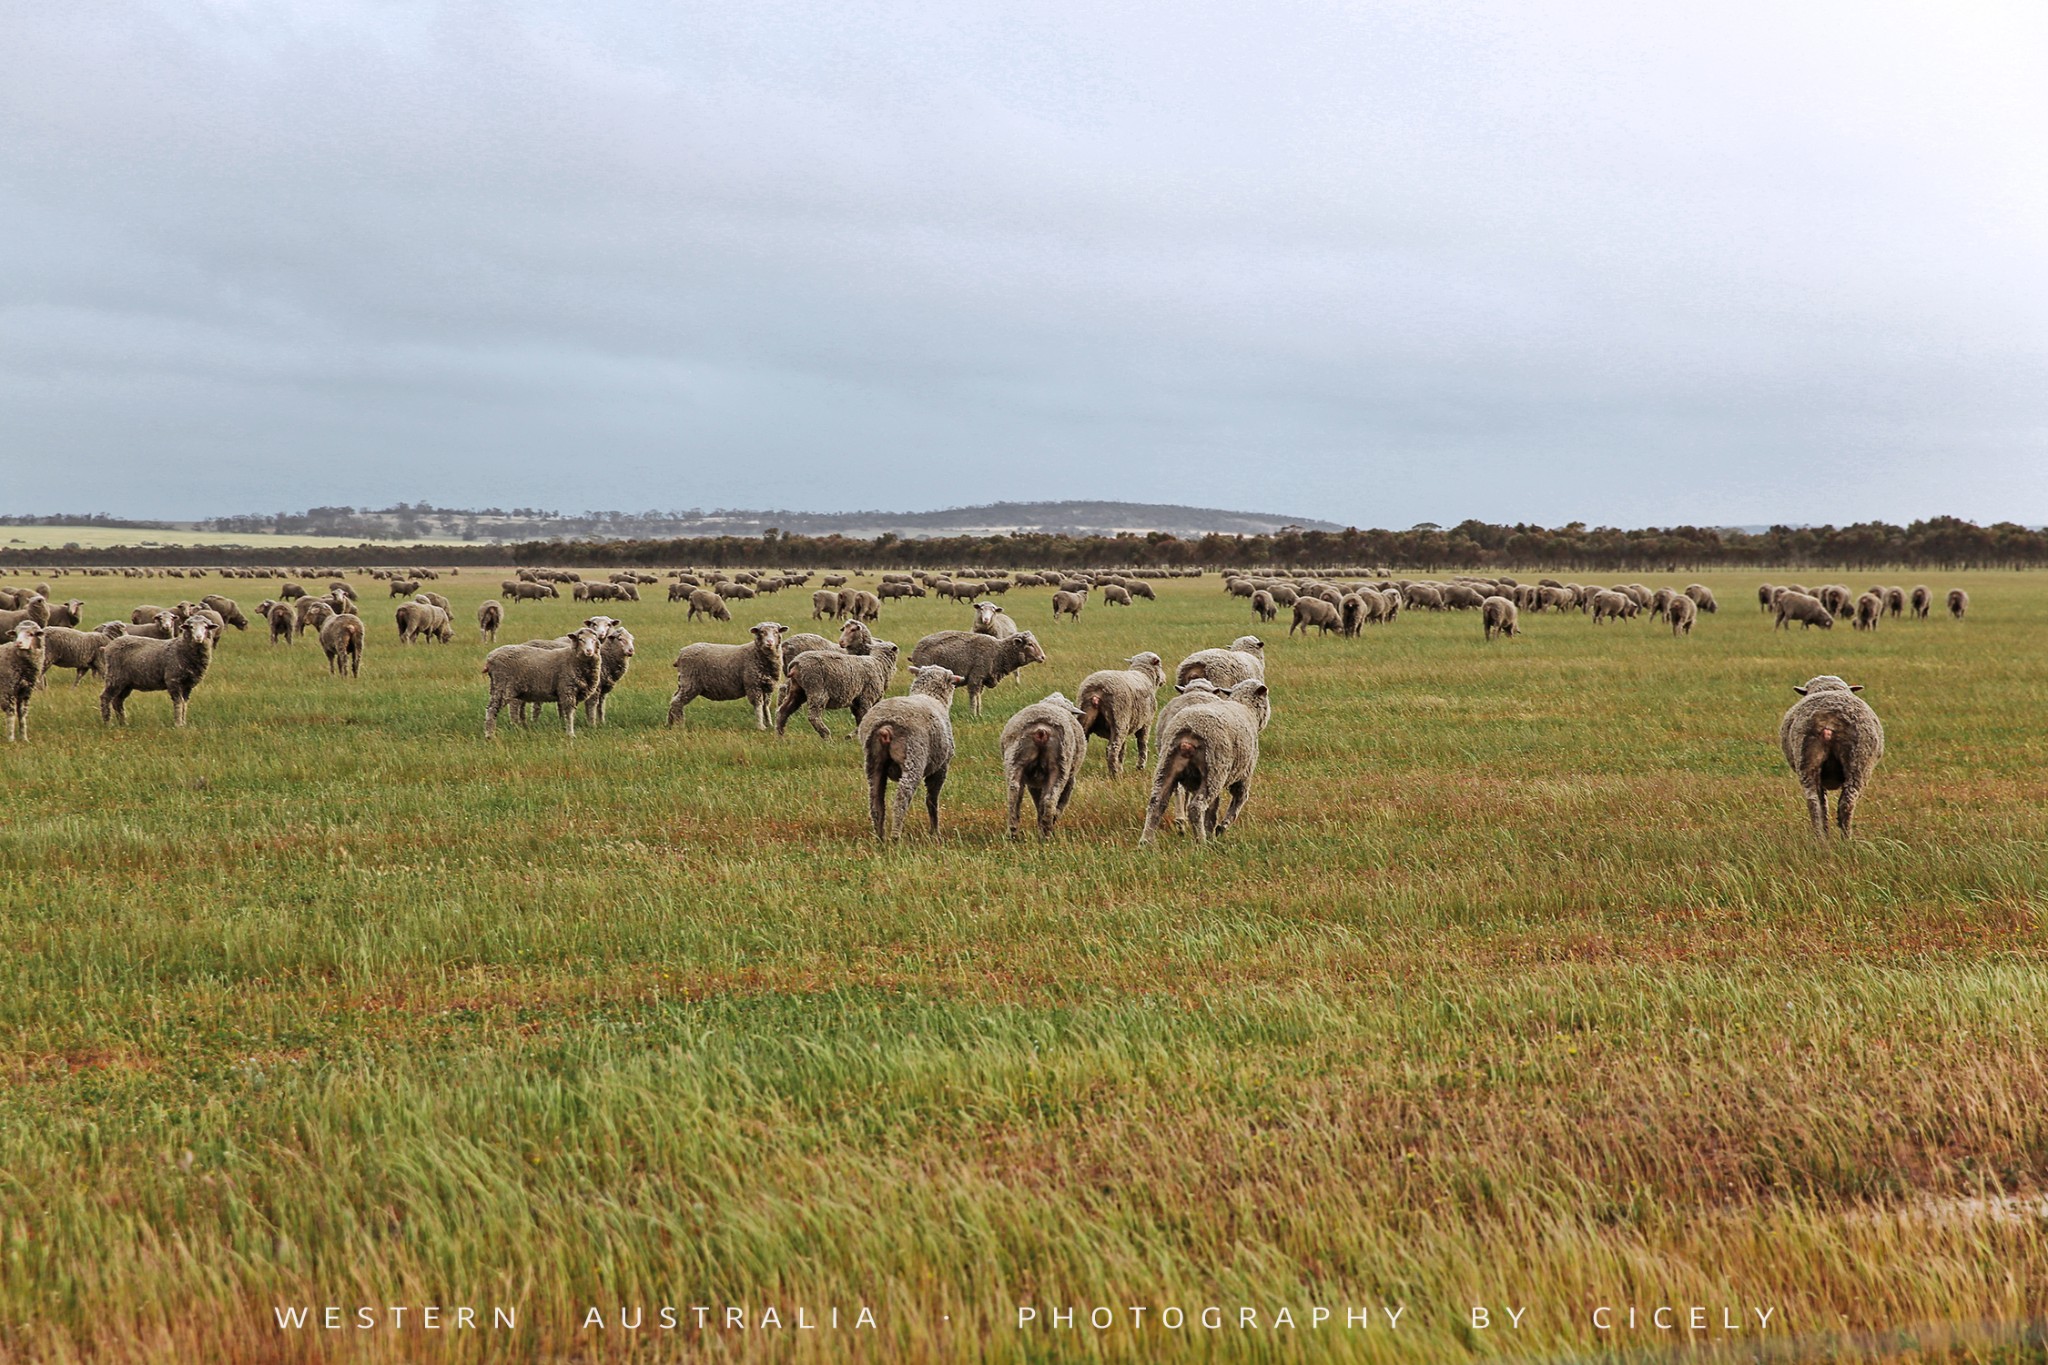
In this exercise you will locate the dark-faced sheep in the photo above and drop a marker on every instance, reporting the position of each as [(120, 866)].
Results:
[(341, 638), (748, 672), (132, 664), (1210, 752), (909, 741), (565, 674), (1833, 741), (1119, 704), (1042, 748), (982, 661)]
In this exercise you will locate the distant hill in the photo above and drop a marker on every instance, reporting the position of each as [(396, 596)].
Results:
[(411, 522)]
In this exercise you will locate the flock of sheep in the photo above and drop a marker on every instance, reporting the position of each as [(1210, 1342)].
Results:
[(1202, 744)]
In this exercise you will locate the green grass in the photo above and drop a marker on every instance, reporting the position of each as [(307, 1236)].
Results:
[(1519, 982)]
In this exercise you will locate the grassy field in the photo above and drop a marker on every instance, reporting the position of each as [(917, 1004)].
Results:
[(1520, 984), (102, 537)]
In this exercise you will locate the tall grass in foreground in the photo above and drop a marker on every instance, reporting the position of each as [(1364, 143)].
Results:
[(1519, 983)]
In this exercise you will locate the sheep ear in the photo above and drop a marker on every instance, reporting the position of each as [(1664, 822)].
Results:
[(1856, 687), (1800, 690)]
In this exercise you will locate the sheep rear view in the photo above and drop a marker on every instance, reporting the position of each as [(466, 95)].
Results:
[(1119, 703), (1211, 752), (909, 741), (341, 637), (1042, 748), (1832, 740)]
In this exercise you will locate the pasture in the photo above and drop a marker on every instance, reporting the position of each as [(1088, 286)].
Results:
[(1519, 983)]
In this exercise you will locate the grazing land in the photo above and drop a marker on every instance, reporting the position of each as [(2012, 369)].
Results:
[(1520, 982)]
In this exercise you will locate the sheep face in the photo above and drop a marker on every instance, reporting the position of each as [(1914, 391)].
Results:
[(201, 630), (769, 636), (1034, 653), (1249, 644), (984, 613), (27, 634)]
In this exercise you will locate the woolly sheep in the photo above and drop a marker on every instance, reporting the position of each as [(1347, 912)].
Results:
[(1923, 599), (824, 603), (1209, 751), (64, 647), (1500, 617), (1608, 605), (1869, 611), (1958, 603), (229, 611), (820, 681), (1682, 612), (1317, 613), (1808, 610), (1263, 605), (715, 672), (909, 740), (1043, 747), (982, 661), (1832, 740), (565, 674), (1226, 668), (1116, 595), (1895, 602), (489, 616), (1068, 604), (990, 619), (705, 602), (614, 655), (131, 664), (22, 661), (1119, 704), (341, 637)]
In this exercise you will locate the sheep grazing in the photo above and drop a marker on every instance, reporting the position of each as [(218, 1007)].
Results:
[(1682, 612), (1315, 612), (1500, 617), (1958, 603), (1209, 751), (822, 681), (64, 647), (22, 661), (404, 587), (1869, 611), (1808, 610), (1895, 602), (229, 611), (1702, 598), (1613, 605), (1118, 703), (341, 637), (1042, 748), (489, 616), (423, 619), (1263, 605), (1833, 741), (704, 602), (1068, 604), (1766, 599), (131, 663), (824, 603), (565, 674), (715, 672), (283, 622), (1226, 668), (909, 740), (1116, 595), (982, 661), (1923, 600)]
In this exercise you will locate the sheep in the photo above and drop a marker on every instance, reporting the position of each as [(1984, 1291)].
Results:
[(22, 660), (715, 672), (705, 602), (679, 591), (1118, 703), (614, 656), (528, 592), (824, 603), (313, 613), (1869, 611), (1226, 668), (229, 611), (70, 613), (1043, 746), (1263, 605), (1116, 595), (1958, 603), (433, 599), (404, 587), (416, 619), (868, 607), (1922, 599), (989, 619), (1500, 617), (828, 681), (1895, 602), (1315, 612), (1209, 750), (1835, 597), (35, 607), (64, 647), (1068, 604), (1808, 610), (982, 661), (1682, 612), (565, 674), (909, 740), (489, 616), (131, 663), (341, 637), (1765, 601), (282, 623), (1832, 740)]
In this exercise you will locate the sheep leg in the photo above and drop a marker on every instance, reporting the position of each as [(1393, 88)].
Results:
[(491, 709), (878, 786), (1049, 806), (792, 698), (905, 790), (816, 711), (1845, 804), (1239, 793), (1141, 734), (565, 707), (179, 700), (676, 704), (1817, 810), (10, 728), (1017, 804), (974, 699), (932, 786)]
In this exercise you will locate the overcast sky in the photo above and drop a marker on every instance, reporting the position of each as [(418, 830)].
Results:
[(1628, 263)]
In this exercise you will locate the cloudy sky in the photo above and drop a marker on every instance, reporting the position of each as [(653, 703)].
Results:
[(1619, 262)]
